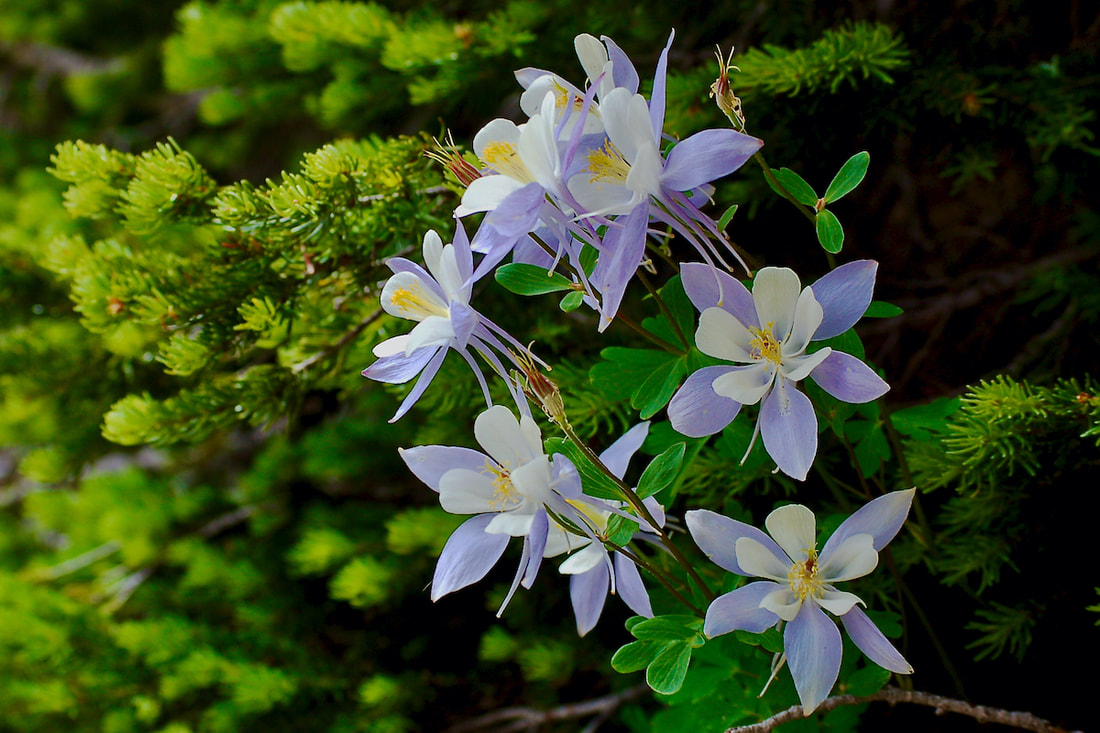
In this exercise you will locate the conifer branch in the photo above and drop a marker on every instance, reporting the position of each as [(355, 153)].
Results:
[(895, 695)]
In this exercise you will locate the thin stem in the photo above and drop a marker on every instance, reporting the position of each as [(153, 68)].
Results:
[(636, 503), (664, 310), (781, 189), (660, 575), (895, 695), (649, 336)]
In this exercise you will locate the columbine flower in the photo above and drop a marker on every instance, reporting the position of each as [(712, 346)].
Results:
[(439, 301), (594, 571), (768, 333), (800, 584), (627, 176), (509, 488)]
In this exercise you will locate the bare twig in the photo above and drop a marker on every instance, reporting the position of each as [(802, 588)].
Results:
[(894, 695), (344, 341), (517, 719)]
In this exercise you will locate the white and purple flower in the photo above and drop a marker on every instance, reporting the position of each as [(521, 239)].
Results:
[(766, 334), (439, 301), (509, 488), (798, 585)]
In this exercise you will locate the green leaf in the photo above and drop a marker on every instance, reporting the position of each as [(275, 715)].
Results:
[(589, 256), (683, 312), (636, 655), (620, 529), (666, 673), (795, 186), (829, 231), (882, 309), (658, 388), (870, 679), (572, 301), (674, 627), (921, 421), (848, 177), (623, 369), (524, 279), (596, 483), (662, 471), (727, 217)]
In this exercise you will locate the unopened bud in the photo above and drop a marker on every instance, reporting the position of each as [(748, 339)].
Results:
[(728, 102), (450, 157), (542, 389)]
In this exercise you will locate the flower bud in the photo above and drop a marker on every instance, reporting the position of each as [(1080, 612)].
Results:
[(450, 157), (542, 389)]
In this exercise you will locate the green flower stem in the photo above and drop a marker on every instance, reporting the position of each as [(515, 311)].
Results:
[(664, 310), (649, 336), (632, 498), (657, 573), (779, 187)]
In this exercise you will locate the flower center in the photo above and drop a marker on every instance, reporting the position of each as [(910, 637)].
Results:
[(415, 304), (606, 163), (504, 159), (803, 577), (764, 344), (505, 495)]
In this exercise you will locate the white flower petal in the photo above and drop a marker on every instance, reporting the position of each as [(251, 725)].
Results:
[(432, 331), (486, 193), (794, 529), (516, 524), (775, 292), (391, 347), (498, 432), (497, 131), (747, 384), (433, 248), (462, 491), (783, 603), (797, 368), (722, 336), (808, 315), (853, 558), (838, 602), (404, 295), (583, 561), (532, 480), (755, 559)]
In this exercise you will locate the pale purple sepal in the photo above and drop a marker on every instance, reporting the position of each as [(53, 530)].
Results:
[(468, 555), (618, 454), (398, 368), (623, 72), (740, 610), (626, 244), (567, 481), (628, 584), (788, 427), (709, 287), (527, 75), (657, 98), (588, 593), (706, 156), (813, 647), (870, 640), (716, 535), (880, 518), (464, 320), (426, 378), (844, 295), (429, 462), (848, 379), (695, 410), (537, 537)]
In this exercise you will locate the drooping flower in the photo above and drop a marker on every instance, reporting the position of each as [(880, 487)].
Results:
[(595, 571), (508, 488), (798, 585), (766, 333), (439, 301)]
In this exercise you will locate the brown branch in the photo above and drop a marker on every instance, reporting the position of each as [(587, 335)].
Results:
[(894, 695), (517, 719)]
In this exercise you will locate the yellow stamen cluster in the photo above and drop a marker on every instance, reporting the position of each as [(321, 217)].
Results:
[(414, 303), (803, 577), (562, 97), (606, 163), (505, 496), (764, 344), (504, 159)]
